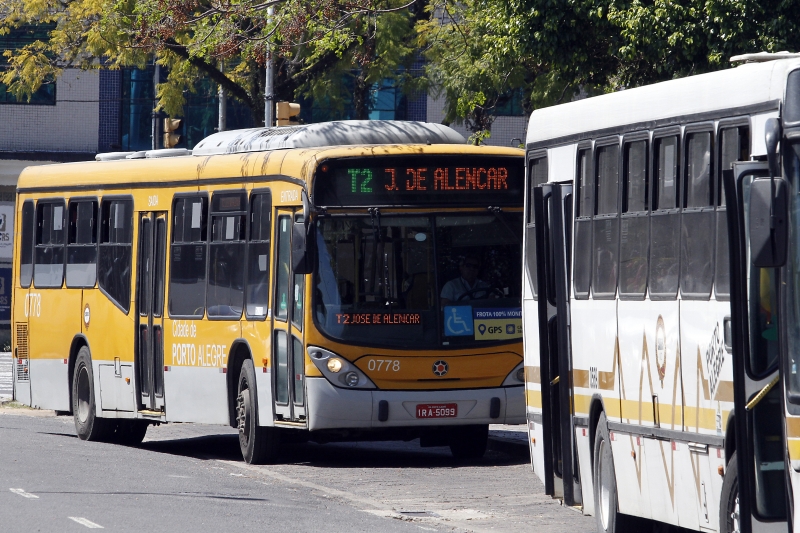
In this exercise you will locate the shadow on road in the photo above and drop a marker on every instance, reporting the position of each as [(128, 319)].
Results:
[(389, 454)]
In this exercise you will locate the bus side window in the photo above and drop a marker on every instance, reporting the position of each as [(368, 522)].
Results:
[(635, 222), (283, 266), (664, 220), (114, 261), (48, 270), (82, 244), (697, 222), (538, 175), (606, 222), (734, 145), (584, 208), (187, 275), (225, 289), (26, 246), (258, 252)]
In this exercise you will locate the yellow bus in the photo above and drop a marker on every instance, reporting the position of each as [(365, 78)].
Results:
[(345, 280)]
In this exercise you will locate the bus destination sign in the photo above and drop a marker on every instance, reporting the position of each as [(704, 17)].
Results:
[(486, 180)]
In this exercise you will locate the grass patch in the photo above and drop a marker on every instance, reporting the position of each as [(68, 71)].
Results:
[(13, 404)]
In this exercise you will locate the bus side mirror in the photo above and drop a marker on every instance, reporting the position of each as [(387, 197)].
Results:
[(772, 138), (303, 239), (302, 248), (769, 213)]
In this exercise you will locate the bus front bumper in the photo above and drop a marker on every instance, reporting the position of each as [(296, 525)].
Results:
[(331, 407)]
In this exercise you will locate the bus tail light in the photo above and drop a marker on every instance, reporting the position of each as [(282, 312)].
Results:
[(340, 372)]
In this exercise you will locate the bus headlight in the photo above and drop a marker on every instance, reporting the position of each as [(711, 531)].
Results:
[(516, 376), (334, 364), (338, 371)]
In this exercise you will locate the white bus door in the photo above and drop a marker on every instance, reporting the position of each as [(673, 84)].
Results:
[(150, 309), (758, 501), (287, 346), (553, 222)]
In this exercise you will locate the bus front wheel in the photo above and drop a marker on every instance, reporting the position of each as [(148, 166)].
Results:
[(729, 499), (88, 425), (259, 444)]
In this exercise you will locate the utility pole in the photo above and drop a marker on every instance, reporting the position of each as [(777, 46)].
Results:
[(269, 96), (156, 130), (223, 104)]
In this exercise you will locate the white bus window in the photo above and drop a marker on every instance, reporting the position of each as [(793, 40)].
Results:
[(734, 145), (82, 244), (698, 169), (635, 224), (665, 222), (607, 179), (538, 174), (26, 246), (225, 290), (114, 261), (582, 274), (667, 160), (697, 235), (48, 270), (606, 223), (258, 248), (187, 276), (635, 181)]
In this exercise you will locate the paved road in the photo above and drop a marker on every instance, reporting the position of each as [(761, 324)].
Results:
[(191, 478), (5, 376)]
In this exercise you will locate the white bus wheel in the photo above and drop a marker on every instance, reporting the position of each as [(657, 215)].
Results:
[(88, 425), (259, 444), (729, 499), (606, 508)]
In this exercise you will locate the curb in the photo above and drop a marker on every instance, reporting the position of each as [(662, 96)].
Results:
[(514, 447)]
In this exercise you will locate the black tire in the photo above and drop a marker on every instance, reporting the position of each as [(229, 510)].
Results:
[(88, 425), (606, 504), (729, 498), (129, 432), (468, 443), (259, 444)]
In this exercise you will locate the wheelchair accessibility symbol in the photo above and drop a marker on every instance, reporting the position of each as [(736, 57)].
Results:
[(458, 321)]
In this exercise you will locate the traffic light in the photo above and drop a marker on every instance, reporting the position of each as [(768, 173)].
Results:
[(286, 113), (171, 125)]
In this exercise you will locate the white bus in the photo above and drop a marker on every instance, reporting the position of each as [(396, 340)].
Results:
[(660, 309)]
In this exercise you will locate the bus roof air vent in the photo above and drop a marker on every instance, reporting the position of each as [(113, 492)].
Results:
[(338, 133), (761, 57)]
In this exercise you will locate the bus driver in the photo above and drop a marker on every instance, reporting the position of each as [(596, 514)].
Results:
[(467, 284)]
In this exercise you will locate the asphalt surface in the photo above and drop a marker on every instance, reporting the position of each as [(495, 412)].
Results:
[(191, 478)]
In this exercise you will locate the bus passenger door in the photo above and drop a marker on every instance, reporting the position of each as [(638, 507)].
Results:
[(150, 310), (553, 222), (761, 502), (287, 346)]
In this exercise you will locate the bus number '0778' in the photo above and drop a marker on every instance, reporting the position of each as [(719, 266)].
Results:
[(384, 364)]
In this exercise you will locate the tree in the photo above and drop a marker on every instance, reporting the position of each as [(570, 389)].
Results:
[(480, 50), (227, 41)]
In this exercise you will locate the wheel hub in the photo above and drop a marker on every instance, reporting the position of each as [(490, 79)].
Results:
[(243, 414)]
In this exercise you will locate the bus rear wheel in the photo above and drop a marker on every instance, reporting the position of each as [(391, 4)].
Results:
[(88, 425), (606, 505), (468, 443), (259, 444), (729, 499)]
